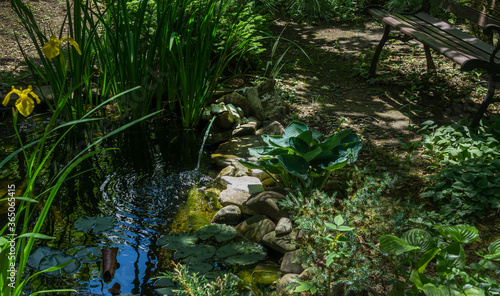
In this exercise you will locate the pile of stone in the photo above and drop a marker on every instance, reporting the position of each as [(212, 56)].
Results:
[(247, 206)]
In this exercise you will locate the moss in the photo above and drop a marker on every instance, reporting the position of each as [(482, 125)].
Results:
[(262, 274), (196, 212)]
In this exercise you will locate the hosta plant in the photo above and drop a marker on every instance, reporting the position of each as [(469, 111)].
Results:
[(303, 158), (450, 274)]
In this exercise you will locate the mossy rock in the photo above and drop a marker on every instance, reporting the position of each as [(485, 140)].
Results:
[(261, 274)]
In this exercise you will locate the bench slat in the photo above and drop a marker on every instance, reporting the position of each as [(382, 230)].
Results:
[(469, 13), (466, 50)]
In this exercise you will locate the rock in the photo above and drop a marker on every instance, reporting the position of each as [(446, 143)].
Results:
[(237, 198), (274, 128), (219, 136), (269, 182), (236, 148), (242, 184), (266, 87), (227, 171), (253, 100), (284, 226), (281, 243), (273, 106), (285, 284), (265, 203), (246, 129), (256, 227), (288, 265), (236, 100), (259, 174), (228, 215), (240, 170)]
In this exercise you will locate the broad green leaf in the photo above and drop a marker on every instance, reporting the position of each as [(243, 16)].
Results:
[(241, 253), (177, 241), (66, 263), (338, 227), (330, 142), (312, 154), (299, 146), (431, 290), (306, 136), (251, 165), (455, 254), (338, 220), (416, 280), (424, 260), (295, 165), (335, 165), (494, 250), (331, 258), (420, 238), (395, 245), (220, 232), (260, 152), (460, 234), (474, 292), (294, 129), (195, 253), (96, 224)]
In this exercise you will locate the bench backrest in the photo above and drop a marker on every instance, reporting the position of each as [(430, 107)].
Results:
[(481, 12)]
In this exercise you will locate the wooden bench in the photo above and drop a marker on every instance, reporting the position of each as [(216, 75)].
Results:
[(466, 50)]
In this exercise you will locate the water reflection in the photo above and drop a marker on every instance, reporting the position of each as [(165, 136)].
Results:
[(141, 185)]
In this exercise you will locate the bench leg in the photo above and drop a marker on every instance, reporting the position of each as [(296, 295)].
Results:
[(428, 58), (376, 55), (488, 99)]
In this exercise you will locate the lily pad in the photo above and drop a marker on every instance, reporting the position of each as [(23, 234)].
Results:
[(200, 267), (177, 241), (221, 232), (166, 291), (37, 256), (164, 282), (241, 253), (96, 224), (195, 253), (54, 260), (88, 255), (46, 257)]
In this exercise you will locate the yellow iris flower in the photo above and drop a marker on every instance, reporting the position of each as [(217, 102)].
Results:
[(24, 104), (52, 48)]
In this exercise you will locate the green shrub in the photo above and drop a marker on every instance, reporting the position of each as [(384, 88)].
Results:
[(467, 190), (301, 159), (456, 143), (346, 261), (345, 10), (451, 274)]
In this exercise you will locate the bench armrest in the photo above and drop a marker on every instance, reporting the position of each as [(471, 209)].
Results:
[(489, 30)]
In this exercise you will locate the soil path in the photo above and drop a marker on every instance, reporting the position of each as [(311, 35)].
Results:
[(379, 108)]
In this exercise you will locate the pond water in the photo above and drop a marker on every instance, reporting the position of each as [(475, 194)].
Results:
[(142, 186)]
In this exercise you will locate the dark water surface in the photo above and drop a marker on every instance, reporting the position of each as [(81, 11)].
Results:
[(141, 185)]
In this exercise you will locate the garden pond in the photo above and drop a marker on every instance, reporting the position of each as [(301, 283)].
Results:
[(130, 198)]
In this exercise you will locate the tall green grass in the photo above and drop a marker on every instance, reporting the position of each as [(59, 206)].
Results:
[(29, 219), (175, 50)]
